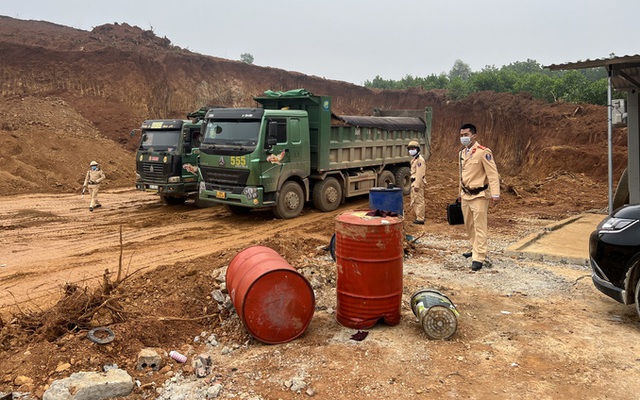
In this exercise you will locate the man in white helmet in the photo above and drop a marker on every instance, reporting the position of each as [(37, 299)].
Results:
[(418, 181), (92, 181)]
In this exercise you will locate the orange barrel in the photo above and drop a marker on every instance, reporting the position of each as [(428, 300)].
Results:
[(274, 302), (369, 256)]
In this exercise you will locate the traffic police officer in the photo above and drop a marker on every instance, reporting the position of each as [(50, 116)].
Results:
[(92, 181), (479, 186), (418, 181)]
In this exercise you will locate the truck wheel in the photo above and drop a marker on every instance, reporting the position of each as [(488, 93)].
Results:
[(172, 201), (621, 195), (290, 201), (238, 210), (386, 178), (403, 179), (200, 203), (327, 194)]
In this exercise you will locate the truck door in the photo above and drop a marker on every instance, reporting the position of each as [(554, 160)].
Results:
[(190, 154), (286, 157)]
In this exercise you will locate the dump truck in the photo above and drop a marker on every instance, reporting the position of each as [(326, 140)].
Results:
[(292, 149), (166, 160)]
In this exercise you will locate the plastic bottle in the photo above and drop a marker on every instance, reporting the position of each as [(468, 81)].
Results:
[(177, 356)]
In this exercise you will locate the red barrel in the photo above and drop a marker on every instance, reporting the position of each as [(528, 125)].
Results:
[(369, 255), (273, 300)]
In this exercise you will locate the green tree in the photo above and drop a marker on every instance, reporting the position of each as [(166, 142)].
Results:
[(491, 78), (435, 82), (246, 58), (458, 89), (578, 86), (539, 85), (524, 67), (460, 70)]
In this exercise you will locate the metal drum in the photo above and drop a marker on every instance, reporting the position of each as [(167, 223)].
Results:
[(436, 313), (369, 252), (273, 300)]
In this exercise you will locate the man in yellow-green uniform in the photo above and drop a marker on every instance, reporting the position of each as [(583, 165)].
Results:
[(479, 187), (92, 181), (418, 181)]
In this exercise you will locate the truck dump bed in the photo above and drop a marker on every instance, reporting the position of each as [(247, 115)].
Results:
[(370, 141), (346, 142)]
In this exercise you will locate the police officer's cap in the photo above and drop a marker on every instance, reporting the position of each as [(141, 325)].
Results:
[(93, 163), (413, 144)]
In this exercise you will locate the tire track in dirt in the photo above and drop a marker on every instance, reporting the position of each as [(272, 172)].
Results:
[(77, 246)]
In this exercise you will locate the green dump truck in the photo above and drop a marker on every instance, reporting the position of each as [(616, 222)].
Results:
[(166, 160), (293, 149)]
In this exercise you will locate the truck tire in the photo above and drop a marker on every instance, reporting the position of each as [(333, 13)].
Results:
[(403, 179), (200, 203), (172, 201), (238, 210), (621, 195), (327, 194), (386, 178), (290, 201)]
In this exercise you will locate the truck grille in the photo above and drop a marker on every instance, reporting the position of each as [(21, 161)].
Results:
[(223, 177), (152, 171)]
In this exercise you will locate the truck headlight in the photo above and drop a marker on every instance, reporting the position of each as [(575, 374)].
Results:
[(174, 179), (138, 177)]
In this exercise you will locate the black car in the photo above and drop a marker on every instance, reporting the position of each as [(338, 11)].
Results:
[(614, 252)]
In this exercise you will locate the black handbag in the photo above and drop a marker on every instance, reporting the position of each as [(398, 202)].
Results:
[(454, 214), (454, 210)]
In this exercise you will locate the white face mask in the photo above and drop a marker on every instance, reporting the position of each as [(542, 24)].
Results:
[(413, 152), (465, 140)]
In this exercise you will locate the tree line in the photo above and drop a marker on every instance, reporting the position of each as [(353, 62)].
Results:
[(576, 86)]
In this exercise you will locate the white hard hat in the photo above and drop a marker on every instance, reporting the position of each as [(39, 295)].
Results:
[(93, 163)]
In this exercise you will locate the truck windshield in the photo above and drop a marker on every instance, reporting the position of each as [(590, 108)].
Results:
[(160, 140), (232, 134)]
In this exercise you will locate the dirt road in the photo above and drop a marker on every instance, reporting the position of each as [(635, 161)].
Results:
[(527, 329), (48, 240)]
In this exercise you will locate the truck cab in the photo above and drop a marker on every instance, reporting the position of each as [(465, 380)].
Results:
[(166, 159), (249, 152)]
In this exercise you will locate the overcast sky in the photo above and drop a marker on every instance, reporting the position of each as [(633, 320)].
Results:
[(355, 40)]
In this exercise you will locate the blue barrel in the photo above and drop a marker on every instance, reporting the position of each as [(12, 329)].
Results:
[(386, 199)]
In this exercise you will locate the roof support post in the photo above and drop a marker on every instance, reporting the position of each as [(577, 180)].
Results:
[(610, 140), (633, 142)]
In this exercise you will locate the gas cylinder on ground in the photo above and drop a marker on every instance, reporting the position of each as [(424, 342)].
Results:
[(436, 313)]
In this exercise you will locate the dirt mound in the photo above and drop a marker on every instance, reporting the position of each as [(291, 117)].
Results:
[(117, 75), (46, 145)]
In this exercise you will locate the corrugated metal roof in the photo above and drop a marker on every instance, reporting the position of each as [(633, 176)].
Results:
[(626, 69)]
